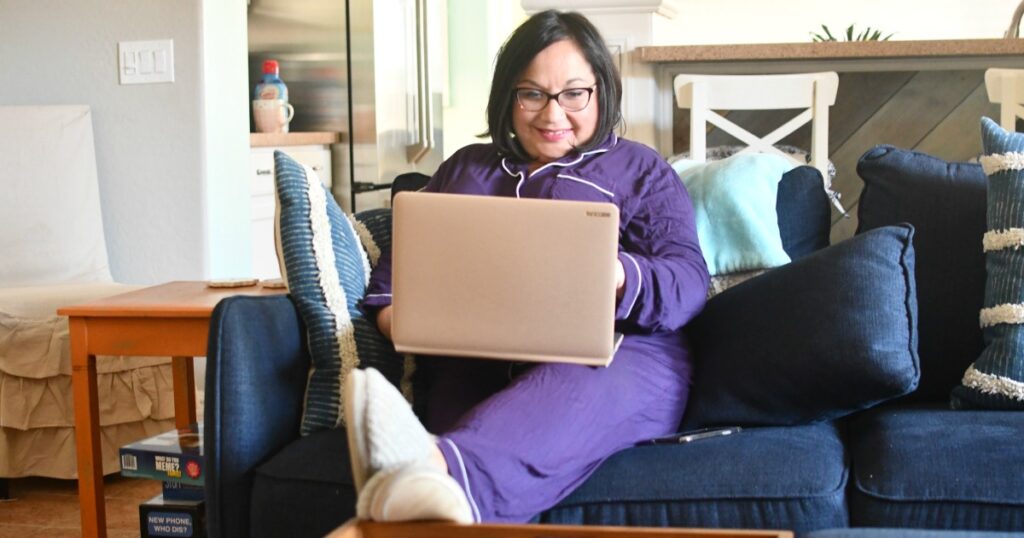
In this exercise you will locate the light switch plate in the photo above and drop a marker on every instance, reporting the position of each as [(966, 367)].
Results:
[(145, 62)]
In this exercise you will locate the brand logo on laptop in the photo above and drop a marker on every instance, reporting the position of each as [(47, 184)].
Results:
[(599, 213)]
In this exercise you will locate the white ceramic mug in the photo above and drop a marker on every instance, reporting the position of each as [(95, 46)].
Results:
[(272, 115)]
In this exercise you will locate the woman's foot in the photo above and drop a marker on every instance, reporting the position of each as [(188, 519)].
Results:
[(418, 491), (397, 469), (382, 430)]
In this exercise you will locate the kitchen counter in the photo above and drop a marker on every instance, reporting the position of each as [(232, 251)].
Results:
[(835, 50), (261, 140)]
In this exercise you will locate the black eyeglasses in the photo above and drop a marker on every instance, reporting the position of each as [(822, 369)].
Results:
[(571, 100)]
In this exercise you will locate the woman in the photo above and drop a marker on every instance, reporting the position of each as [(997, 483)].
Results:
[(512, 440)]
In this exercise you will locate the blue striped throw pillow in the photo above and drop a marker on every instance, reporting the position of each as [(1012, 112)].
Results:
[(373, 227), (326, 267), (996, 379)]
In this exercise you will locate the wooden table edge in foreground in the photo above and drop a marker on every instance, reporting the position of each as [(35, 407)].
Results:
[(369, 529), (170, 319)]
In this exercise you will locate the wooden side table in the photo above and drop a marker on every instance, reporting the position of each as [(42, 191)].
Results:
[(169, 319)]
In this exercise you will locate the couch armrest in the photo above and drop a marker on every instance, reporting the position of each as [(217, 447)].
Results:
[(255, 382)]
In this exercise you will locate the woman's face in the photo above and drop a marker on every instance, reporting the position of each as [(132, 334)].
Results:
[(552, 132)]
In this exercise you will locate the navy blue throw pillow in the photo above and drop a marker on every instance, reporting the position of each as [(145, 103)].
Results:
[(810, 341), (945, 202), (804, 212)]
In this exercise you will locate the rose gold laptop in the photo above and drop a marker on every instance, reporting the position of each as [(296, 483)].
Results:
[(504, 278)]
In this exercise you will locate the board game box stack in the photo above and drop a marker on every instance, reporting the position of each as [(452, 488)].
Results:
[(176, 459)]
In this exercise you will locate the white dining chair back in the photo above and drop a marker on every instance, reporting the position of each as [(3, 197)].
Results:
[(812, 92), (1005, 87)]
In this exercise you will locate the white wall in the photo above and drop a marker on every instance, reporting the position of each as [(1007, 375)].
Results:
[(171, 158), (225, 99), (476, 31), (792, 21)]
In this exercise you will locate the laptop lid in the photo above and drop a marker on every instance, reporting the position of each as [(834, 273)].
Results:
[(504, 278)]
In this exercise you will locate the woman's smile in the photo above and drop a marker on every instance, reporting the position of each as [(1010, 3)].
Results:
[(554, 135)]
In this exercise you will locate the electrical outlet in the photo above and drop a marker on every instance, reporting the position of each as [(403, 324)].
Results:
[(145, 62)]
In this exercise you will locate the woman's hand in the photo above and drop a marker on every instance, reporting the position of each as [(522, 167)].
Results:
[(620, 282), (384, 320)]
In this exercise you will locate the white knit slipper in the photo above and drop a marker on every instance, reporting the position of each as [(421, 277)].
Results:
[(382, 430), (419, 491), (369, 491)]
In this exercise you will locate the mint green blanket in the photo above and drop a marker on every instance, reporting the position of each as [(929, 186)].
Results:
[(734, 204)]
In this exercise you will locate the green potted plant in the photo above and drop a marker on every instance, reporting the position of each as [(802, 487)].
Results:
[(851, 34)]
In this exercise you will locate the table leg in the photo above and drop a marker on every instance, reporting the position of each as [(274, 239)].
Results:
[(87, 432), (184, 391)]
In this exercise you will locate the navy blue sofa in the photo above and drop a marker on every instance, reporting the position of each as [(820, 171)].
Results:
[(906, 462)]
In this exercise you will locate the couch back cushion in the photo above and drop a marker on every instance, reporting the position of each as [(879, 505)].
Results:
[(945, 202)]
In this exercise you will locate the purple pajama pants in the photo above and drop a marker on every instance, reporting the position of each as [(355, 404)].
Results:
[(518, 439)]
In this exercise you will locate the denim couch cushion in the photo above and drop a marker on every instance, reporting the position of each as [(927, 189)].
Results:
[(311, 477), (255, 380), (822, 337), (783, 478), (945, 202), (938, 468), (792, 478)]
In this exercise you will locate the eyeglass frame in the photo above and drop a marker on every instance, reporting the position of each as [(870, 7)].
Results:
[(590, 96)]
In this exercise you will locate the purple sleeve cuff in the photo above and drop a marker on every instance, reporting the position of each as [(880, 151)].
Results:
[(377, 300), (631, 289), (372, 303)]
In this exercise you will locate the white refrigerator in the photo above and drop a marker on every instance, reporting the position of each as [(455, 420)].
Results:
[(370, 69)]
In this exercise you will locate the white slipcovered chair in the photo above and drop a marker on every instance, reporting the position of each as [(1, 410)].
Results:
[(54, 254), (1005, 87)]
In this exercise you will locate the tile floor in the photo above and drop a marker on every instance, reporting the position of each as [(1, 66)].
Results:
[(48, 508)]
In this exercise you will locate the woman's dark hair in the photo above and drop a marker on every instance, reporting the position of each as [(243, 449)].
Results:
[(533, 36)]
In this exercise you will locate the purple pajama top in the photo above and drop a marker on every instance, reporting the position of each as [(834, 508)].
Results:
[(518, 443), (666, 277)]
